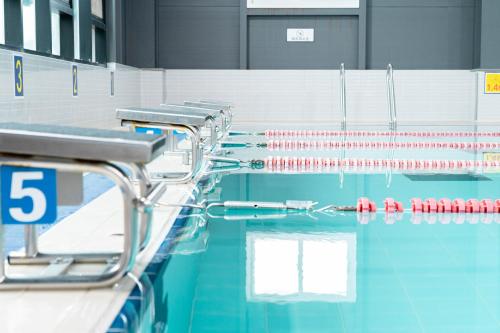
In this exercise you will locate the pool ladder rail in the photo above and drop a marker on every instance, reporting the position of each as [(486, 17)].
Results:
[(343, 107), (391, 99), (78, 150)]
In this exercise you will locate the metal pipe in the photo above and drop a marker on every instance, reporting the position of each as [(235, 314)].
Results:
[(388, 84), (145, 187), (394, 110), (343, 97), (391, 98), (30, 241)]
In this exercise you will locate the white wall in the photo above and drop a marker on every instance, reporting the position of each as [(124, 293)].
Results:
[(298, 96), (48, 92), (152, 87)]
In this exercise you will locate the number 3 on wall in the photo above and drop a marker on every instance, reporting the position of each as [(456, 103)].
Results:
[(28, 195), (18, 76)]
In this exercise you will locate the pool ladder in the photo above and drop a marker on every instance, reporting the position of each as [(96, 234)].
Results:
[(343, 107), (391, 98)]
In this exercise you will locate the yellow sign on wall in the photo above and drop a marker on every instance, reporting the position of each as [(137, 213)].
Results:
[(492, 157), (492, 83)]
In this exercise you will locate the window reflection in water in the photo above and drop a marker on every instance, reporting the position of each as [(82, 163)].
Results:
[(301, 267)]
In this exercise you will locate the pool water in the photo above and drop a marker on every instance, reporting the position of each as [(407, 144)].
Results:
[(251, 272)]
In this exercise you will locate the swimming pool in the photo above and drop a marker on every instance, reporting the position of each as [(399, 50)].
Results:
[(261, 271)]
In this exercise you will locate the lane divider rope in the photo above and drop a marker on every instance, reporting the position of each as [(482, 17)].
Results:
[(318, 164), (431, 210), (277, 145), (278, 133)]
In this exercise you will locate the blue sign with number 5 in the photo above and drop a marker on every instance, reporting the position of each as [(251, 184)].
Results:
[(28, 195)]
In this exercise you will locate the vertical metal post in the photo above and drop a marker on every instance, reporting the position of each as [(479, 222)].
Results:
[(170, 140), (144, 187), (342, 159), (391, 98), (30, 241), (343, 97), (476, 109), (476, 116)]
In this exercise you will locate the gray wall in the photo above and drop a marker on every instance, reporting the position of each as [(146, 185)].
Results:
[(423, 34), (140, 33), (224, 34), (335, 41), (198, 33), (490, 34)]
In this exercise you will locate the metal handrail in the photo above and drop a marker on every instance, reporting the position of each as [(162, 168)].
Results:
[(391, 98), (343, 97)]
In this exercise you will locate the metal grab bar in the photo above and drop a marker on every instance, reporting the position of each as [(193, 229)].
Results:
[(391, 98), (343, 97)]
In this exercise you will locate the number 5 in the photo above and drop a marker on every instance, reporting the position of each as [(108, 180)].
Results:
[(19, 192)]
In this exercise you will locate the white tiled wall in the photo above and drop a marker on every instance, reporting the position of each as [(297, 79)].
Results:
[(299, 96), (48, 92), (488, 104), (420, 95), (152, 87), (261, 95)]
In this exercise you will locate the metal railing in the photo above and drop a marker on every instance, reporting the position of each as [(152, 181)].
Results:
[(343, 107), (391, 98)]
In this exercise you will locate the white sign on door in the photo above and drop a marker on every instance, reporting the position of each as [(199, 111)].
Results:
[(300, 35)]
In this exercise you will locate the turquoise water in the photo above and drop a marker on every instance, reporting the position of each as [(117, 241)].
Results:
[(321, 273)]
